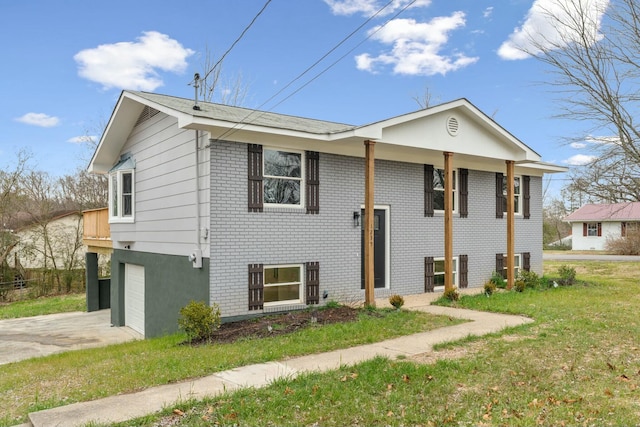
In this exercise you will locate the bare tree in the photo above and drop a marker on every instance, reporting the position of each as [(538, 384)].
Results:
[(595, 64), (424, 100), (554, 229), (9, 195), (214, 87), (83, 190)]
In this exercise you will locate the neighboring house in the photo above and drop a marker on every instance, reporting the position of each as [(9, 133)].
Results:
[(593, 224), (261, 212), (52, 242)]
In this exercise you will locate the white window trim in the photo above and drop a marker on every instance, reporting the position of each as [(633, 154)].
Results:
[(589, 229), (303, 178), (517, 263), (456, 264), (455, 191), (519, 195), (300, 300), (117, 174)]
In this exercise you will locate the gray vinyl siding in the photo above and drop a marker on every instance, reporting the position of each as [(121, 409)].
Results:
[(165, 220), (241, 238)]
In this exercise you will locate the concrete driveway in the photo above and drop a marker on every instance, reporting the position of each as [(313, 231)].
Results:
[(37, 336)]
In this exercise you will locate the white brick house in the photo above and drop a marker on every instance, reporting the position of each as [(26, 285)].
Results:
[(261, 212)]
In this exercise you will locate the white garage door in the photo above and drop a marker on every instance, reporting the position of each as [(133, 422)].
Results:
[(134, 297)]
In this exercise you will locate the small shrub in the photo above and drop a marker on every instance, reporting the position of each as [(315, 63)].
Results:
[(332, 304), (545, 283), (451, 294), (396, 300), (530, 278), (198, 320), (520, 285), (567, 275), (628, 245), (498, 280), (489, 288)]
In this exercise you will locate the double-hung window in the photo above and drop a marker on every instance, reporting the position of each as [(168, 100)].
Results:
[(438, 190), (592, 229), (282, 284), (517, 205), (121, 191), (517, 265), (283, 178)]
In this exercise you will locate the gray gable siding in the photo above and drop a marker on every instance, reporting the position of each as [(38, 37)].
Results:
[(241, 238), (164, 189)]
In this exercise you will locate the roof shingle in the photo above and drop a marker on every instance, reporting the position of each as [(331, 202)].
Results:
[(629, 211)]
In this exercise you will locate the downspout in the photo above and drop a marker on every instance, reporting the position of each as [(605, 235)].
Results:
[(197, 176), (196, 255)]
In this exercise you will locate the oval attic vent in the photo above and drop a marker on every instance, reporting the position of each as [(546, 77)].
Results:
[(453, 126)]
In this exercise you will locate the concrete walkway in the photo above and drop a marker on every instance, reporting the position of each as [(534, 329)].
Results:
[(125, 407), (38, 336)]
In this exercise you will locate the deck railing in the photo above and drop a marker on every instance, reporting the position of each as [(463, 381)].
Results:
[(96, 230)]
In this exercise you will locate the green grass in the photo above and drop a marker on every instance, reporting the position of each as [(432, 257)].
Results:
[(49, 305), (83, 375), (577, 364)]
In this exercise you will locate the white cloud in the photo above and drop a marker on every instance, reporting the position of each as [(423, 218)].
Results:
[(579, 160), (369, 7), (603, 139), (39, 119), (487, 12), (578, 145), (133, 65), (82, 139), (416, 47), (542, 29)]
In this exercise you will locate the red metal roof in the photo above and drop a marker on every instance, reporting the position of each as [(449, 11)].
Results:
[(629, 211)]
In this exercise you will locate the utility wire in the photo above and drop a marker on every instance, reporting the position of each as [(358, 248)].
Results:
[(237, 40), (245, 119), (345, 55)]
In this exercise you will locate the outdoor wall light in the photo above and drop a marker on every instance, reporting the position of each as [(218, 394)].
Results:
[(356, 219)]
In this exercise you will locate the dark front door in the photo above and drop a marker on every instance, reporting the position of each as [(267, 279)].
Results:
[(379, 245)]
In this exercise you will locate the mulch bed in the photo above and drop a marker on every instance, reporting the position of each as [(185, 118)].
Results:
[(280, 324)]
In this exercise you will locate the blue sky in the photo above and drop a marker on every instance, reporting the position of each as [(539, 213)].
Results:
[(65, 63)]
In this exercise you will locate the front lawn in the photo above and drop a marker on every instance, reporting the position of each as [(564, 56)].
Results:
[(75, 376), (577, 364)]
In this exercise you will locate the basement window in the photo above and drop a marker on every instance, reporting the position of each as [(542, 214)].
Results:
[(282, 284)]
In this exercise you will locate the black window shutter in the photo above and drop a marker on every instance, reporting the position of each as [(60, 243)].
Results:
[(499, 196), (428, 190), (500, 265), (527, 196), (463, 271), (256, 287), (463, 198), (313, 182), (255, 177), (313, 282), (526, 261), (428, 274)]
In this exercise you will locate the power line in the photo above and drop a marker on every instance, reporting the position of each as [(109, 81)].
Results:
[(245, 119), (347, 53), (237, 40)]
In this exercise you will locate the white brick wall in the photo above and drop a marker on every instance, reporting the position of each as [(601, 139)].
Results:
[(239, 237)]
